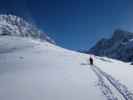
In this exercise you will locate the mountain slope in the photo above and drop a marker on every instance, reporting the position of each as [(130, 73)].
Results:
[(34, 70), (119, 46), (15, 26)]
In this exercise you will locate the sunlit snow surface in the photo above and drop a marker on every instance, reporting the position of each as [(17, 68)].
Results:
[(34, 70)]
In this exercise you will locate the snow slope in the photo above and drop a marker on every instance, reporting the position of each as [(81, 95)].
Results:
[(34, 70)]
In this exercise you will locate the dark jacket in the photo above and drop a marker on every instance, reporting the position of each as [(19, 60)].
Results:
[(91, 61)]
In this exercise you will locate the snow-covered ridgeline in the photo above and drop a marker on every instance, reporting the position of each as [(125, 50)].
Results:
[(16, 26)]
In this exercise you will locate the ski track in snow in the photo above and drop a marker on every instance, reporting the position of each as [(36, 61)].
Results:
[(105, 88)]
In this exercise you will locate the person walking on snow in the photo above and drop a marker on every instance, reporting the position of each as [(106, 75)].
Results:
[(91, 61)]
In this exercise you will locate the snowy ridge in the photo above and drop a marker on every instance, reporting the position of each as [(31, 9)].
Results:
[(35, 70), (15, 26)]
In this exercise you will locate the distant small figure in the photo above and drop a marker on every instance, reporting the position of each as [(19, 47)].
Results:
[(91, 61)]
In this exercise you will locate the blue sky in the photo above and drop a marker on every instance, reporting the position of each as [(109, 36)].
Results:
[(74, 24)]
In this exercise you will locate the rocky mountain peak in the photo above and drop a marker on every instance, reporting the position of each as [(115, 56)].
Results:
[(119, 46), (16, 26)]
